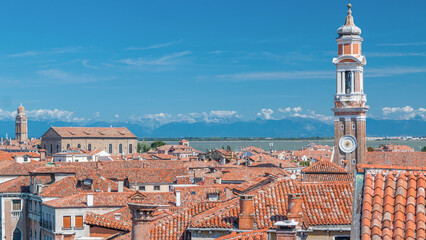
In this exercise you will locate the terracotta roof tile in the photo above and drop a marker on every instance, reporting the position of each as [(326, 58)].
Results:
[(398, 211), (93, 132)]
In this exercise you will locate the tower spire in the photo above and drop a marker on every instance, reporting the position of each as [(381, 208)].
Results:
[(349, 19)]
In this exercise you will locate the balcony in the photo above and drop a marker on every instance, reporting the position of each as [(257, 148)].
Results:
[(355, 97), (16, 214)]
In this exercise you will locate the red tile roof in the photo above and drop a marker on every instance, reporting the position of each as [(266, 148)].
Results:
[(102, 221), (413, 159), (251, 235), (93, 132), (393, 205), (324, 167), (323, 204)]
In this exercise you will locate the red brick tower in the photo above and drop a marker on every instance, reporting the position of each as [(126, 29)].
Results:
[(21, 128), (349, 100)]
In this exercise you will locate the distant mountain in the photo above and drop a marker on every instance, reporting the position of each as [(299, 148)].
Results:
[(290, 127)]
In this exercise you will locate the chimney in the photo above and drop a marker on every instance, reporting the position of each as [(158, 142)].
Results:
[(286, 230), (142, 216), (228, 194), (294, 211), (90, 199), (42, 154), (120, 185), (178, 198), (246, 217), (109, 188)]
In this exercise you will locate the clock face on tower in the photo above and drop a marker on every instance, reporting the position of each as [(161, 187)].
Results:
[(347, 143)]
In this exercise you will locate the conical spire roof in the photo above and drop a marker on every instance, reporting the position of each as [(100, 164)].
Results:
[(349, 28)]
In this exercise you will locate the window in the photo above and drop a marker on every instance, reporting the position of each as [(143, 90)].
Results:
[(16, 205), (130, 148), (89, 147), (110, 148), (117, 216), (51, 148), (66, 223), (342, 238), (120, 148), (142, 188), (348, 82), (68, 146), (17, 234), (156, 188), (79, 222), (353, 127), (79, 146), (30, 205), (57, 147)]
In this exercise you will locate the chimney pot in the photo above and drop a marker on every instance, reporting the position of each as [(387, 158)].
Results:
[(246, 217), (90, 199), (120, 185), (294, 211), (178, 203)]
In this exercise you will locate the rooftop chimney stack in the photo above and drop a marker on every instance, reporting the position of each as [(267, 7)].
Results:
[(142, 216), (42, 154), (120, 185), (246, 217), (286, 230), (90, 199), (294, 211), (178, 203)]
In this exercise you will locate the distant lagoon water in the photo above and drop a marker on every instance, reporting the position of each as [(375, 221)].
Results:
[(289, 144)]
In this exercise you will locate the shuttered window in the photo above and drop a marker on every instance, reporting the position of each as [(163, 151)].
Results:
[(16, 205), (67, 222), (78, 221)]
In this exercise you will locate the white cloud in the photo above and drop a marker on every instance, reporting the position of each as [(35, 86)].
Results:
[(161, 45), (60, 76), (86, 64), (392, 54), (404, 113), (169, 59), (116, 116), (214, 116), (402, 44), (393, 71), (257, 76), (289, 109), (51, 51), (265, 113), (48, 114)]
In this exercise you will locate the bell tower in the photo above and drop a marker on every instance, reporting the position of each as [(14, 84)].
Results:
[(21, 125), (349, 100)]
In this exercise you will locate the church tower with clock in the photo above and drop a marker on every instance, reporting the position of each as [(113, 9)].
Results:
[(349, 101)]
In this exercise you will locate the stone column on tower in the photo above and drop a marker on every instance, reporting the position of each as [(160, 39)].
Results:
[(350, 100), (21, 125)]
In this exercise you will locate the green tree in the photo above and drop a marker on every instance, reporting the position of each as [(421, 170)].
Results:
[(157, 144), (143, 147), (424, 149), (228, 148), (370, 149)]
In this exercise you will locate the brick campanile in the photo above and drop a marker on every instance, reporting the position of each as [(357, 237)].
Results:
[(21, 127), (349, 101)]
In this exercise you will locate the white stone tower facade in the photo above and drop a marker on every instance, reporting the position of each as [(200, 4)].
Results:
[(350, 100)]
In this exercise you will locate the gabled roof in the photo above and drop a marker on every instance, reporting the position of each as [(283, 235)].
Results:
[(413, 159), (251, 235), (102, 221), (323, 204), (175, 225), (324, 167), (93, 132)]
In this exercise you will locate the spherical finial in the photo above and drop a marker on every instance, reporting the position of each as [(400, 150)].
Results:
[(349, 5)]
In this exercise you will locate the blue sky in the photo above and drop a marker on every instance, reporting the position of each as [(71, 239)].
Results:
[(162, 61)]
